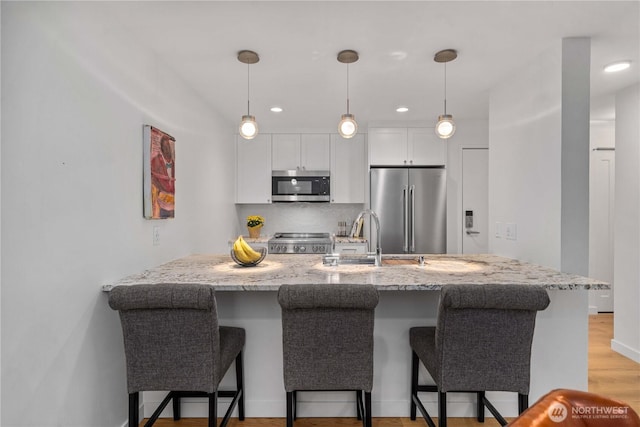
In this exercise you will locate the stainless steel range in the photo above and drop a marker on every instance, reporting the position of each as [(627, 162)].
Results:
[(300, 243)]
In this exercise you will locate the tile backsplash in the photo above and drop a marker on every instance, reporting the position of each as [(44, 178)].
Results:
[(298, 217)]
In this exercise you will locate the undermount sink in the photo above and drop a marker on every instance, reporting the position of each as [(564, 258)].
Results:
[(334, 260), (401, 261)]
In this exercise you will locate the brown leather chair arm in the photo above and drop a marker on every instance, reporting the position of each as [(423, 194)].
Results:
[(573, 408)]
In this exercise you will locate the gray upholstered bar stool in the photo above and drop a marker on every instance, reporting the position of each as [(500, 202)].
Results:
[(172, 342), (482, 342), (327, 338)]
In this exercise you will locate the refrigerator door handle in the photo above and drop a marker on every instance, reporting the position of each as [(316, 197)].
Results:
[(413, 218), (405, 219)]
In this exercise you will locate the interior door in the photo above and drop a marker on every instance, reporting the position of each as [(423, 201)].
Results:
[(601, 201), (475, 200)]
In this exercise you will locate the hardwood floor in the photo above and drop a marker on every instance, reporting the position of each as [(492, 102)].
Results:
[(610, 374)]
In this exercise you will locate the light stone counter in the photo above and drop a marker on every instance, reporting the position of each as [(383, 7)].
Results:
[(559, 351), (221, 272)]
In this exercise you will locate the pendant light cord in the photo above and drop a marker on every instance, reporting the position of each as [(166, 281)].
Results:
[(445, 88), (248, 93), (347, 88)]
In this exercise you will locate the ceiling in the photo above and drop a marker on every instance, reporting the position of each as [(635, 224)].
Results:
[(298, 42)]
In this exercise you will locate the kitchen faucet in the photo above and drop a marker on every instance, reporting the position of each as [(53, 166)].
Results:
[(375, 218)]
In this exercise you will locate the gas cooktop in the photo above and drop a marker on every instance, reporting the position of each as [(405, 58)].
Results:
[(300, 243)]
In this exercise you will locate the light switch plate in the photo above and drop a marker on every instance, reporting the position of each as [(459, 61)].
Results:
[(156, 236), (498, 230), (510, 231)]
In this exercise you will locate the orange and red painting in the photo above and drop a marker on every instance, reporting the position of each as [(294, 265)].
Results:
[(159, 174)]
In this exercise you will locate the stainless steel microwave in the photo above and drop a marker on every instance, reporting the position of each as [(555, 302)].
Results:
[(300, 186)]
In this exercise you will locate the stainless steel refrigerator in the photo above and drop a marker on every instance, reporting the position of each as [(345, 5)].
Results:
[(411, 204)]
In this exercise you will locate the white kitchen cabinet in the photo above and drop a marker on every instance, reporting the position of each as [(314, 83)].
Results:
[(424, 148), (348, 169), (315, 152), (406, 147), (285, 151), (253, 169), (301, 152), (387, 146)]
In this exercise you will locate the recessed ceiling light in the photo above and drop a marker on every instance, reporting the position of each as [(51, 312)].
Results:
[(617, 66), (402, 109), (276, 109)]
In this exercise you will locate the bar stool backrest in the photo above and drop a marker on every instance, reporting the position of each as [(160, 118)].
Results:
[(171, 336), (484, 335), (327, 336)]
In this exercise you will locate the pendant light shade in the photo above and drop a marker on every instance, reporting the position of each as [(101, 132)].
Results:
[(248, 126), (348, 127), (446, 127)]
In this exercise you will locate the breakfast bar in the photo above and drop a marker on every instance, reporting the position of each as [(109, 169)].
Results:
[(409, 294)]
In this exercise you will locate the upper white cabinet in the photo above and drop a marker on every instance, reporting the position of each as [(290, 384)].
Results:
[(387, 146), (301, 152), (348, 169), (424, 148), (315, 152), (253, 169), (405, 147)]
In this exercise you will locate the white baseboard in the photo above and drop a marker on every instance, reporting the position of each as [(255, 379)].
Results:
[(625, 350), (593, 309), (140, 416)]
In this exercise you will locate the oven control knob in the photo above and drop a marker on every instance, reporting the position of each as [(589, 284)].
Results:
[(300, 249)]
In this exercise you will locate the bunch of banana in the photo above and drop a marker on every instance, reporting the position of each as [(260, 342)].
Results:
[(244, 252)]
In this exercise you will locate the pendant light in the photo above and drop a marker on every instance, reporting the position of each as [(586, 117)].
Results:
[(445, 128), (248, 125), (348, 126)]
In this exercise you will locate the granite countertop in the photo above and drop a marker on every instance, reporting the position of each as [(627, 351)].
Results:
[(221, 272), (265, 239)]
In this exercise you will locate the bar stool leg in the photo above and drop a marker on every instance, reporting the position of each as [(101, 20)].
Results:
[(289, 409), (480, 406), (133, 409), (415, 365), (213, 409), (442, 409), (367, 409), (240, 385), (523, 402)]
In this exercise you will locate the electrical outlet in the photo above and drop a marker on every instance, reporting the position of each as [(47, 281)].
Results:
[(510, 231), (156, 236), (498, 230)]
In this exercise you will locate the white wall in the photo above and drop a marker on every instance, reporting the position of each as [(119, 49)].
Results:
[(524, 160), (75, 96), (538, 177), (539, 159), (627, 225)]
